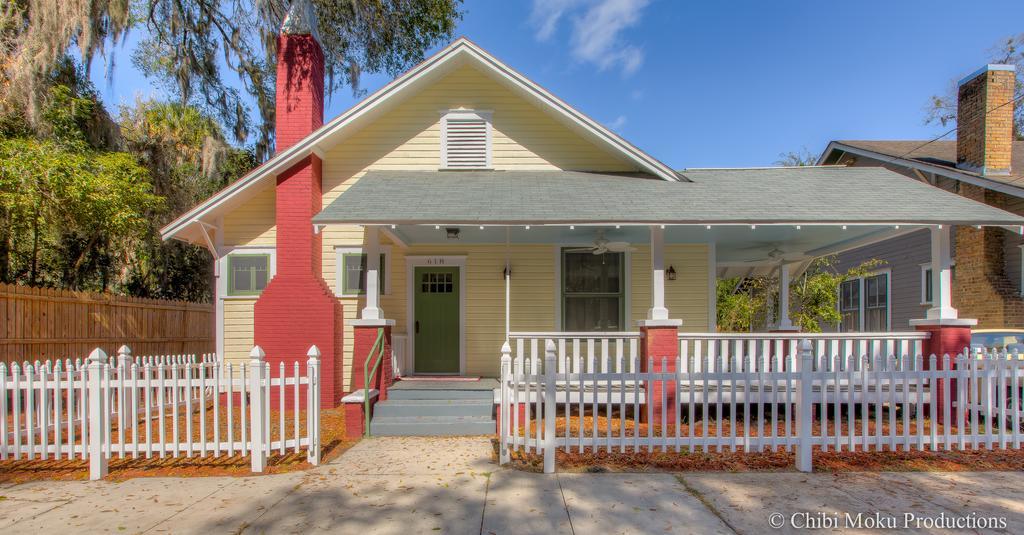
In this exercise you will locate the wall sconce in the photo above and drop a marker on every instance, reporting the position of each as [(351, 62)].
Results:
[(507, 272), (670, 274), (453, 232)]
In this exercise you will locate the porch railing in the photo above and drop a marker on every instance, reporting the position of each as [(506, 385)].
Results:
[(580, 352), (755, 351)]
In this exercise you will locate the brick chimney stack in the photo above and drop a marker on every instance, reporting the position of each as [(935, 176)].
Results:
[(297, 309), (984, 117)]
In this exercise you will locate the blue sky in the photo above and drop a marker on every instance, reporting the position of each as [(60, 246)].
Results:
[(723, 84)]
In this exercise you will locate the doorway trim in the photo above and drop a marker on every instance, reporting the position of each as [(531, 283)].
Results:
[(413, 262)]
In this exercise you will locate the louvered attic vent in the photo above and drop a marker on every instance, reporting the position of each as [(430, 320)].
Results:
[(465, 140)]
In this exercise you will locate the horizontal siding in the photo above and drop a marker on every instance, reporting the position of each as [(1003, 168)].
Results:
[(238, 328), (686, 297), (903, 256), (252, 223)]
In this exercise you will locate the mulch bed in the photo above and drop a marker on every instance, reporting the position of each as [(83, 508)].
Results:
[(332, 442), (953, 460)]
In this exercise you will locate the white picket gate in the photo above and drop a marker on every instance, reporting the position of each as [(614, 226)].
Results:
[(179, 406), (770, 400)]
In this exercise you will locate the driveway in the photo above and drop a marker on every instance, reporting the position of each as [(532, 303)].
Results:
[(449, 485)]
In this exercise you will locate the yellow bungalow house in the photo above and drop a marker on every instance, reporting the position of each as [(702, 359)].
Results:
[(462, 206)]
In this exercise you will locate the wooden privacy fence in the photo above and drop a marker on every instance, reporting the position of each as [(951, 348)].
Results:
[(196, 406), (802, 402), (44, 323)]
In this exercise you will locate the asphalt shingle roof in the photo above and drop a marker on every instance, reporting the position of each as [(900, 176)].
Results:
[(942, 153), (783, 195)]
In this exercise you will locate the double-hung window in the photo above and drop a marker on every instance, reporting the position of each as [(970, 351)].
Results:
[(593, 291), (864, 304), (248, 274)]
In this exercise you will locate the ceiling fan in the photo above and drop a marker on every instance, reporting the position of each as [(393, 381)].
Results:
[(774, 255), (602, 246)]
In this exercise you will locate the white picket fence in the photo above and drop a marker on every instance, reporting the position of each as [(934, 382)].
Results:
[(768, 407), (179, 406)]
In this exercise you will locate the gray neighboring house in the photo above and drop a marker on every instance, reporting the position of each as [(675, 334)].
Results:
[(984, 163)]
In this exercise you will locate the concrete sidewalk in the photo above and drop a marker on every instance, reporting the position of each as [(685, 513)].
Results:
[(406, 485)]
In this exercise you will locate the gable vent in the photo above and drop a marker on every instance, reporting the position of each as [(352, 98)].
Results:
[(465, 140)]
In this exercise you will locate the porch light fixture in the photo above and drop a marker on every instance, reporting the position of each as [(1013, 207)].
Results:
[(670, 273), (506, 272), (452, 232)]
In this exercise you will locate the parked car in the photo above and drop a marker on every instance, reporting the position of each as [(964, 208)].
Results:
[(1002, 339)]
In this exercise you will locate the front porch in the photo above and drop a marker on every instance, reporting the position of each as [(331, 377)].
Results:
[(619, 270)]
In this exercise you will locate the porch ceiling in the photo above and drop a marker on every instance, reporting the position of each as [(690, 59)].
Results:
[(735, 245)]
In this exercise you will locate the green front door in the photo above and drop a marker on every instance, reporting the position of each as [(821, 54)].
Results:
[(437, 319)]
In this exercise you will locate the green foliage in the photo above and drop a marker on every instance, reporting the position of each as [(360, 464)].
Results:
[(744, 303), (69, 211)]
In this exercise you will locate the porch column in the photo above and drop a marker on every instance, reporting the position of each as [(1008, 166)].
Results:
[(659, 343), (942, 275), (371, 321), (785, 324), (658, 310), (372, 311), (948, 334)]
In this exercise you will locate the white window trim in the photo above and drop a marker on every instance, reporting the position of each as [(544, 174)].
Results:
[(483, 115), (924, 285), (339, 251), (222, 281), (863, 299)]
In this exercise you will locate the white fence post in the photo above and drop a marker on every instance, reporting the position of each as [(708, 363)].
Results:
[(804, 401), (313, 405), (257, 406), (503, 408), (98, 417), (550, 369)]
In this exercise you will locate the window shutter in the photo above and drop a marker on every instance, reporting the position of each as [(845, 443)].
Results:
[(466, 143)]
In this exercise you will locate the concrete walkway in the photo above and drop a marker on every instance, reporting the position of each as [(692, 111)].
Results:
[(406, 485)]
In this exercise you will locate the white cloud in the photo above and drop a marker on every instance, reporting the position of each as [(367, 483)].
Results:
[(618, 123), (547, 13), (597, 26)]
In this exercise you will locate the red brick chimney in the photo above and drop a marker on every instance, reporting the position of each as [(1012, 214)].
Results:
[(297, 309), (984, 133)]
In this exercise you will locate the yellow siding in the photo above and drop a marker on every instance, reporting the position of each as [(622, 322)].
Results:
[(238, 328), (408, 138), (686, 297), (252, 223)]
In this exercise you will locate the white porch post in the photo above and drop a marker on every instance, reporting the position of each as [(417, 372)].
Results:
[(658, 310), (372, 309), (942, 275), (784, 322)]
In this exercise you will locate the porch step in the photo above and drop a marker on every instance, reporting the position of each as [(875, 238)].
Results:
[(431, 425), (447, 390), (433, 407)]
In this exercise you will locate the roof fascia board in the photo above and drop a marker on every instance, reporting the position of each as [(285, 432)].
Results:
[(926, 167), (281, 162)]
